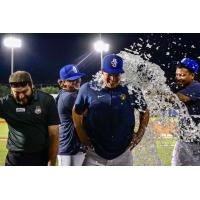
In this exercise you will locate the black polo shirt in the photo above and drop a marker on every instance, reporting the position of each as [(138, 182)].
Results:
[(28, 125)]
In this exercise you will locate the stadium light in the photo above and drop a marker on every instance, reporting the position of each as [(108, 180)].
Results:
[(101, 47), (12, 43)]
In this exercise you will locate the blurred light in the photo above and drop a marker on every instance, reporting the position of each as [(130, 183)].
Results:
[(100, 46), (12, 42)]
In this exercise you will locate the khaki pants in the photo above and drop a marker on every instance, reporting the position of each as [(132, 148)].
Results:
[(92, 159)]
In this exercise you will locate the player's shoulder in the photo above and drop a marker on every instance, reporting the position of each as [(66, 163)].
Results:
[(85, 86)]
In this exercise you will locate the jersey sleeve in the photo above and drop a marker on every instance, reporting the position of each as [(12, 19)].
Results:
[(52, 113), (81, 100), (195, 98), (192, 92), (195, 95), (66, 102)]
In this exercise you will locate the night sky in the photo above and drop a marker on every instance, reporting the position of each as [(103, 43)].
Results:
[(43, 54)]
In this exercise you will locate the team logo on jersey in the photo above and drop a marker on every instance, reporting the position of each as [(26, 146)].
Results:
[(122, 97), (114, 62), (38, 110)]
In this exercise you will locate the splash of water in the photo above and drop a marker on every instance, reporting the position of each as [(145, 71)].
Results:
[(150, 78)]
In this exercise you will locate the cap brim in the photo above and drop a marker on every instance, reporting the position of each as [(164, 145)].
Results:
[(77, 76), (121, 71)]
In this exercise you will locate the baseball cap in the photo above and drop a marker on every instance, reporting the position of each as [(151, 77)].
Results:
[(70, 72), (113, 64), (20, 79), (190, 64)]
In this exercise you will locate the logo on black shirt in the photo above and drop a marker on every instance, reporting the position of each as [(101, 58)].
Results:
[(38, 110)]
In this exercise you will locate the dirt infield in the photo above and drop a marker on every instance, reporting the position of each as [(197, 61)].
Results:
[(3, 139), (167, 129), (2, 121)]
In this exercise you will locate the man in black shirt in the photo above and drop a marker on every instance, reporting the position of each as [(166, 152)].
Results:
[(33, 120)]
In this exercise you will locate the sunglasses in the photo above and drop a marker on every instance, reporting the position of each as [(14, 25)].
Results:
[(18, 84)]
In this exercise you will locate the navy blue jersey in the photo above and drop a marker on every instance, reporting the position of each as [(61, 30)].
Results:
[(193, 106), (69, 143), (110, 120)]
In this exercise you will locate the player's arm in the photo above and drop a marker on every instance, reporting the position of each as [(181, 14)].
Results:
[(144, 120), (141, 106), (183, 97), (53, 131), (78, 124)]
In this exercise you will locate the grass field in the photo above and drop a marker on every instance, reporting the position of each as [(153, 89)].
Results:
[(3, 129), (3, 152), (164, 146), (3, 136)]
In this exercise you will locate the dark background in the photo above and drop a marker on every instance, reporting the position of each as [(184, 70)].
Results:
[(43, 54)]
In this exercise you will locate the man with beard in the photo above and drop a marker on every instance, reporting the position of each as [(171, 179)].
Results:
[(32, 119), (107, 112), (188, 91)]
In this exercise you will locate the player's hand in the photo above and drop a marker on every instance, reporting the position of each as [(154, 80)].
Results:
[(183, 97), (137, 137)]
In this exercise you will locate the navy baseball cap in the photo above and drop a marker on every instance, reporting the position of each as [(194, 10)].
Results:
[(70, 72), (113, 64), (190, 64)]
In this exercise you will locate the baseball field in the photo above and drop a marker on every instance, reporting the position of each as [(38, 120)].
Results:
[(3, 139), (164, 145)]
